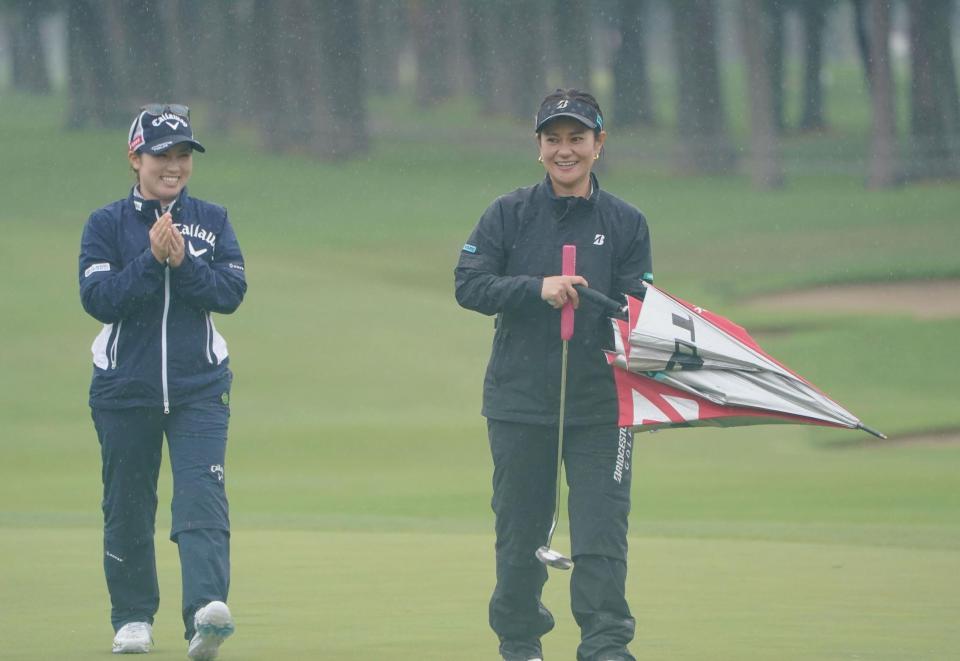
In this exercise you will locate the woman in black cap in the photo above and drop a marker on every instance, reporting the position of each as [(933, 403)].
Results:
[(509, 268), (153, 268)]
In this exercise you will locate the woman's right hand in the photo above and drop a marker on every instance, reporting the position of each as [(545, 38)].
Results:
[(558, 289)]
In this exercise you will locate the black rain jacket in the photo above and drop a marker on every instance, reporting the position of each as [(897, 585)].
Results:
[(517, 243)]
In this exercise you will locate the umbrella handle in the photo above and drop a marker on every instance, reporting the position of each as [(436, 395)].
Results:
[(566, 312), (609, 306)]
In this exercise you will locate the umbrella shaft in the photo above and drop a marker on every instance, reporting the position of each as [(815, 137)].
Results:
[(563, 402)]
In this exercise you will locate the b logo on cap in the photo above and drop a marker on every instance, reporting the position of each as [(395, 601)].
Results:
[(563, 104)]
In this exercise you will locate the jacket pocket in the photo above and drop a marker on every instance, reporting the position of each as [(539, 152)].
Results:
[(209, 339), (114, 345), (215, 346), (497, 355), (104, 347)]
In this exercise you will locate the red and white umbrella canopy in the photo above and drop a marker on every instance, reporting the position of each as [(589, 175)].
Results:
[(676, 364)]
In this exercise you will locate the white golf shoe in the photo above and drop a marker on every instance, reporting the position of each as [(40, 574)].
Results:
[(133, 638), (214, 624)]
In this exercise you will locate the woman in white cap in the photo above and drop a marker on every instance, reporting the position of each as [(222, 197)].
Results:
[(154, 267), (509, 268)]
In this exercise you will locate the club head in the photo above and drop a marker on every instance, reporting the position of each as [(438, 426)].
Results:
[(553, 559)]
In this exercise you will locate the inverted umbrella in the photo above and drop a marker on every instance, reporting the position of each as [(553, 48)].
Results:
[(678, 365)]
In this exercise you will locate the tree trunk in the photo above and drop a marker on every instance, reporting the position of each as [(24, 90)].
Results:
[(514, 56), (220, 62), (185, 41), (703, 143), (91, 77), (482, 42), (343, 132), (385, 28), (459, 67), (524, 64), (935, 115), (883, 130), (813, 14), (27, 56), (309, 64), (144, 61), (265, 73), (862, 37), (573, 34), (432, 23), (301, 105), (946, 64), (777, 55), (756, 34), (633, 101)]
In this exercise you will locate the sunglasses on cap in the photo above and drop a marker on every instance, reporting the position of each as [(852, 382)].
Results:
[(160, 108)]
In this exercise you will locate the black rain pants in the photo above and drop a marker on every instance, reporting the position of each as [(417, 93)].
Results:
[(597, 464)]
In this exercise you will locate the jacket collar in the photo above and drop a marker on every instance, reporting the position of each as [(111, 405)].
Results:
[(150, 210), (564, 204)]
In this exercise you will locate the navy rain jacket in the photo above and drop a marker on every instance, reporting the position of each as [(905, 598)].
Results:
[(158, 345), (517, 242)]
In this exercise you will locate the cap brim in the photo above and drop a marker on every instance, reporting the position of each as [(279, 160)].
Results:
[(590, 124), (162, 145)]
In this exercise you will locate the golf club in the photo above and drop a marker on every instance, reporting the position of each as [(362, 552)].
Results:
[(545, 554)]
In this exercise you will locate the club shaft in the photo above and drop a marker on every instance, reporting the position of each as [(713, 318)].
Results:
[(563, 402)]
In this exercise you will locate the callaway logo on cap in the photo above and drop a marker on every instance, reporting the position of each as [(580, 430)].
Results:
[(157, 128)]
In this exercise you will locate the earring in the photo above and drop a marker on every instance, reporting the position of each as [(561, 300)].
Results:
[(596, 156), (540, 158)]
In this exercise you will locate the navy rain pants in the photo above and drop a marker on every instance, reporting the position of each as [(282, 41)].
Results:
[(131, 445)]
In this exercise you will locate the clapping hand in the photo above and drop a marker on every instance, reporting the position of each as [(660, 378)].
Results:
[(166, 242)]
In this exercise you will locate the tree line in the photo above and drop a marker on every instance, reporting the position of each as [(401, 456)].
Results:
[(301, 71)]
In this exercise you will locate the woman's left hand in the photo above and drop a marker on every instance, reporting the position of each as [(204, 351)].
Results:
[(175, 246)]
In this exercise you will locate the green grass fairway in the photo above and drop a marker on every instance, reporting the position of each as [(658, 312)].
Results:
[(358, 468), (312, 594)]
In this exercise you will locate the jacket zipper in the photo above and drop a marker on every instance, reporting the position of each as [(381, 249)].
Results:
[(163, 340), (163, 332), (113, 347)]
